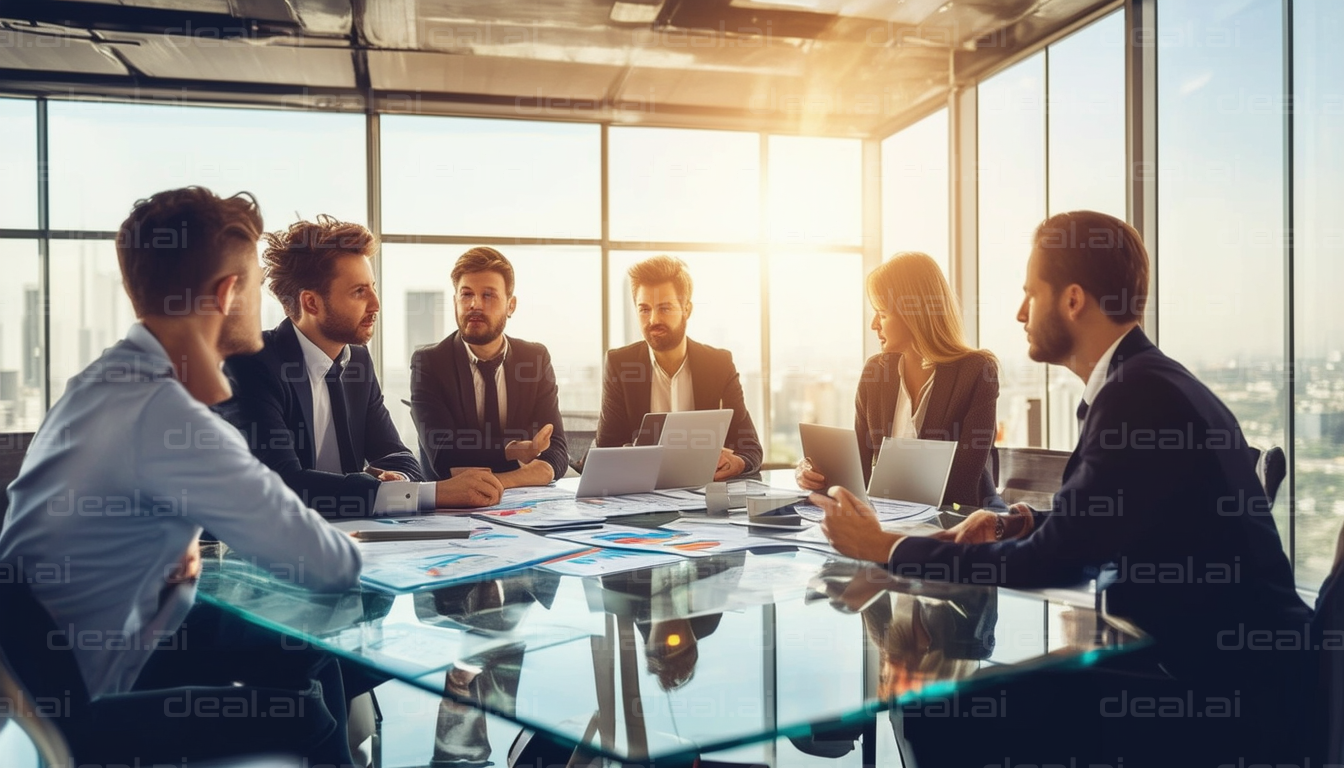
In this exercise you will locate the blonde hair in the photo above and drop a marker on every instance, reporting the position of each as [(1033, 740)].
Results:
[(911, 285)]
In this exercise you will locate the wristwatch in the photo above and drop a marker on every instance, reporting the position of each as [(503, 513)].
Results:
[(998, 527)]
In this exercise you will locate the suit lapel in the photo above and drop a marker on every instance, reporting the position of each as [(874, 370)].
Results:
[(639, 378), (890, 392), (355, 391), (702, 382), (291, 354), (936, 418), (513, 388)]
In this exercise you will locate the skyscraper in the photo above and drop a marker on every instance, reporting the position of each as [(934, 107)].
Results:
[(32, 337)]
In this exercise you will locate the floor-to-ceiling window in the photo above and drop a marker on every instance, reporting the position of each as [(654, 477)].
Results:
[(22, 352), (1221, 183), (449, 184), (1051, 133), (751, 213), (1318, 228), (1012, 185), (915, 201), (106, 156)]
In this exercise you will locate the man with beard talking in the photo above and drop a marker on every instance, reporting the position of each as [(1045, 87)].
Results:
[(669, 372), (483, 399), (309, 403)]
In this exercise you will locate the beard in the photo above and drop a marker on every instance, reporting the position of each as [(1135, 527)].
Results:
[(492, 330), (345, 330), (1050, 340), (669, 340)]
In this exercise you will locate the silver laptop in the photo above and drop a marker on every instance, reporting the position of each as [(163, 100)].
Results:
[(691, 443), (834, 452), (617, 471), (913, 470)]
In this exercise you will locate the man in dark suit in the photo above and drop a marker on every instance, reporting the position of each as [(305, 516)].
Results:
[(1161, 484), (309, 403), (483, 399), (669, 372)]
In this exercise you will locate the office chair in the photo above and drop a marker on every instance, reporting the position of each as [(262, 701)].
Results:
[(1327, 626), (1030, 475), (74, 729), (46, 738), (13, 447)]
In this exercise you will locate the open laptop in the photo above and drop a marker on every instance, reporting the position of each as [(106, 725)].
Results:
[(907, 470), (913, 470), (691, 443), (617, 471)]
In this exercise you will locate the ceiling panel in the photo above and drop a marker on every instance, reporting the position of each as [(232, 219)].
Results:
[(194, 58), (489, 75), (53, 50), (809, 65)]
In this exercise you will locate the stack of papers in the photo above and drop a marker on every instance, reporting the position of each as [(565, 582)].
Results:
[(596, 561), (569, 512), (410, 565), (685, 538)]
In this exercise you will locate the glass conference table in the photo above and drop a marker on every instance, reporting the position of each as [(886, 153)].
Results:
[(699, 655)]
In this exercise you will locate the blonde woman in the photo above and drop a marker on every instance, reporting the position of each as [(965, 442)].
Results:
[(926, 383)]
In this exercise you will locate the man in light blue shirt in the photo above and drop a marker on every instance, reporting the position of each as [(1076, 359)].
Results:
[(130, 464)]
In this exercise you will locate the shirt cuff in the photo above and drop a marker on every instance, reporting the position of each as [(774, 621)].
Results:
[(892, 552), (403, 498)]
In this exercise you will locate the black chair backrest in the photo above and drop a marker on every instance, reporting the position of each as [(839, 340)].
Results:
[(1327, 628), (13, 447), (37, 649), (578, 442), (1030, 475)]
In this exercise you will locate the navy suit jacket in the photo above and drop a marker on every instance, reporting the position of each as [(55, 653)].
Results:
[(1163, 485), (627, 389), (273, 407), (443, 404), (962, 408)]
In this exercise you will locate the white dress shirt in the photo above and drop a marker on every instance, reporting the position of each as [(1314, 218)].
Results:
[(1097, 379), (121, 477), (907, 424), (478, 381), (393, 497), (670, 393)]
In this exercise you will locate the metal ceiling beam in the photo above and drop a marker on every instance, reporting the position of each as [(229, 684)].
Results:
[(126, 18)]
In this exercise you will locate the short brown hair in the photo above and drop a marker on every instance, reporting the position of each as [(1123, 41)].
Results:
[(1103, 255), (484, 259), (659, 270), (303, 258), (176, 242)]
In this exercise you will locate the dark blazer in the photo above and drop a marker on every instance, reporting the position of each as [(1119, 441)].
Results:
[(1162, 484), (962, 404), (627, 387), (443, 404), (273, 407)]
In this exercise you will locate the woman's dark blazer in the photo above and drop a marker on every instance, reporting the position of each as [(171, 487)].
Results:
[(962, 406)]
